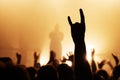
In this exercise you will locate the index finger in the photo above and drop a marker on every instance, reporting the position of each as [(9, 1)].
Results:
[(82, 16), (69, 20)]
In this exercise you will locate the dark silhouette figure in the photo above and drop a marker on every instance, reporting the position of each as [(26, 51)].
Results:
[(98, 74), (82, 67), (56, 37), (116, 73), (93, 64), (65, 72), (116, 68), (18, 56), (32, 72), (47, 72), (116, 59), (101, 64), (19, 72), (36, 57), (3, 71), (70, 56), (53, 61), (103, 74), (8, 61), (97, 77)]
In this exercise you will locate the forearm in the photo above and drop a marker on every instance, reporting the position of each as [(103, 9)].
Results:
[(82, 68), (35, 62), (18, 61), (80, 50), (80, 60)]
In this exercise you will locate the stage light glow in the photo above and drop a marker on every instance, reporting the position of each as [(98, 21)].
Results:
[(69, 63), (89, 49), (44, 57)]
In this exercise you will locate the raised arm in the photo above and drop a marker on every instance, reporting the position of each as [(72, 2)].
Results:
[(82, 68), (36, 57), (78, 34), (78, 28), (18, 56)]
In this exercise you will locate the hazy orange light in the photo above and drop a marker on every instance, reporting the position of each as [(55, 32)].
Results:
[(44, 57), (43, 61)]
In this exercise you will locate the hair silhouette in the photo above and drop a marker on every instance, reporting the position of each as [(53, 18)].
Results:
[(47, 72), (65, 72)]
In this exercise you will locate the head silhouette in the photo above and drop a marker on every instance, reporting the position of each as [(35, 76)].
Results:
[(47, 72), (65, 72)]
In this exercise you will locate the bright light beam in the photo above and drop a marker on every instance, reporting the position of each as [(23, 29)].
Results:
[(69, 63), (89, 49)]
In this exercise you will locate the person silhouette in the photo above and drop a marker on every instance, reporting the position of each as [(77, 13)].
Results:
[(82, 67), (55, 45), (53, 61)]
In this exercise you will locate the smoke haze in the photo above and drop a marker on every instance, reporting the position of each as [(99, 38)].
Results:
[(25, 25)]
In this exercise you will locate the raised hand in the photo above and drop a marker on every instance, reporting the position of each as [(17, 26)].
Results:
[(78, 34), (82, 67), (18, 56), (93, 64), (78, 28), (116, 59), (70, 56), (101, 64), (36, 57)]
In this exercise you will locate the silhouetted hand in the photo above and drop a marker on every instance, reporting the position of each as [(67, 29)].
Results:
[(92, 53), (18, 56), (63, 59), (101, 64), (78, 28), (36, 57), (93, 64), (116, 59), (70, 56), (81, 65)]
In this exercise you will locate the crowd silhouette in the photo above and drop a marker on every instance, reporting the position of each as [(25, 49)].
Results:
[(53, 70)]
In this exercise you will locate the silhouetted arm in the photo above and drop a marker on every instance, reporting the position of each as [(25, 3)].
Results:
[(18, 56), (78, 34), (116, 59), (82, 68), (36, 57), (93, 64)]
